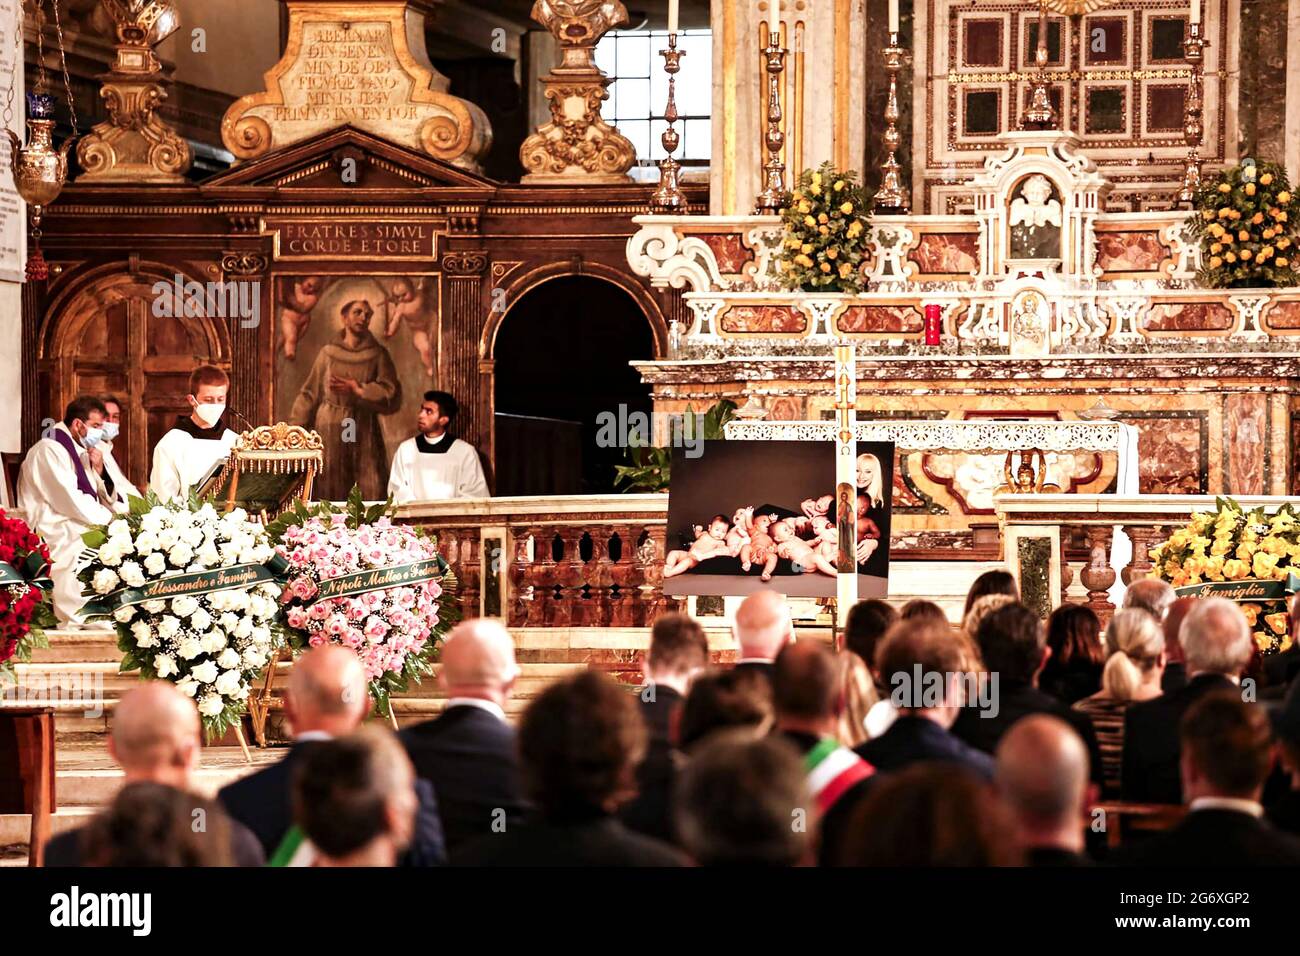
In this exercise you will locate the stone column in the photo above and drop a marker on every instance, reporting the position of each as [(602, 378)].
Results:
[(1098, 576), (823, 92), (462, 325)]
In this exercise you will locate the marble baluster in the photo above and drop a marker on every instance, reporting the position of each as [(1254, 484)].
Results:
[(1098, 576), (1144, 538)]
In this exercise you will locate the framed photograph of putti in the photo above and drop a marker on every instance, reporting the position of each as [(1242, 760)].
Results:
[(750, 515)]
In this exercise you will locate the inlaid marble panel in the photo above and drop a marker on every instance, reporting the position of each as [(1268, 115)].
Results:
[(1189, 317), (946, 252), (1173, 451), (1137, 251), (1245, 446), (881, 318), (730, 251), (763, 318)]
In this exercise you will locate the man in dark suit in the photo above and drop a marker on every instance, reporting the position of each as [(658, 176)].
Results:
[(1226, 757), (326, 698), (1284, 806), (1280, 670), (579, 745), (678, 651), (468, 752), (1217, 644), (155, 739), (763, 626), (807, 698), (1175, 676), (1014, 649), (921, 668), (1042, 775)]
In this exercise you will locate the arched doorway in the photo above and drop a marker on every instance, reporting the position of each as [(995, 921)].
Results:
[(127, 333), (561, 362)]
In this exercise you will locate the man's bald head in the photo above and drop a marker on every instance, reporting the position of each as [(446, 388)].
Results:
[(1042, 770), (327, 691), (763, 626), (155, 734), (1151, 595), (478, 660)]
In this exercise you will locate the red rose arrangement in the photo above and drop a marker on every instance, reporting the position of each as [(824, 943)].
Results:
[(26, 605)]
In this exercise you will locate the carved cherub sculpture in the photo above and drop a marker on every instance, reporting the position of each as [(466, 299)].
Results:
[(1031, 214)]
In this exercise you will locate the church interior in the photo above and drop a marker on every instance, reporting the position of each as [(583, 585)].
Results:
[(566, 213)]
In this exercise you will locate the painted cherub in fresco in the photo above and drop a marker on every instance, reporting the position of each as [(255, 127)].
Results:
[(710, 542), (409, 302), (797, 551), (298, 296), (760, 548)]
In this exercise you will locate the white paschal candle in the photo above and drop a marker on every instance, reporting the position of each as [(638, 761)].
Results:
[(893, 16), (1196, 11), (672, 16)]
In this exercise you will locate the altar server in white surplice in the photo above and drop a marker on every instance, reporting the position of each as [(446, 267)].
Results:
[(186, 454), (58, 494), (115, 490), (434, 466)]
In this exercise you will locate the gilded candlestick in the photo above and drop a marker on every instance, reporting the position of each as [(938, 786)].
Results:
[(1040, 113), (773, 195), (668, 197), (891, 197), (1193, 128)]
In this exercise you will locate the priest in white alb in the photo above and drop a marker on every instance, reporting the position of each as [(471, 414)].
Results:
[(60, 496), (115, 489), (434, 465), (186, 455)]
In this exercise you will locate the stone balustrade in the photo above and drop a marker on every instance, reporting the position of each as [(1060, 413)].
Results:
[(1038, 532), (557, 561)]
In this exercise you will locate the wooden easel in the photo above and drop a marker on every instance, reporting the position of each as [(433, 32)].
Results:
[(278, 465)]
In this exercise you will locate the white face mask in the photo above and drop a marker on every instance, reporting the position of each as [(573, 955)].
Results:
[(110, 430), (92, 437), (209, 414)]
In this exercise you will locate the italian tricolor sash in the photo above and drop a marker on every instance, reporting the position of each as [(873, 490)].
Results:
[(833, 770)]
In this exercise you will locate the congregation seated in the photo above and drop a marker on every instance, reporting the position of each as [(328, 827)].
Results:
[(1151, 595), (1225, 759), (153, 825), (931, 815), (1042, 774), (1217, 644), (580, 742), (1012, 645), (1134, 667), (678, 651), (1280, 670), (156, 740), (469, 752), (992, 582), (763, 626), (913, 658), (1176, 669), (722, 700), (806, 699), (1073, 671), (326, 698), (354, 799), (1284, 809), (737, 799), (865, 628)]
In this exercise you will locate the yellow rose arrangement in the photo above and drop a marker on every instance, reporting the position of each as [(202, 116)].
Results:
[(826, 232), (1255, 202), (1229, 545)]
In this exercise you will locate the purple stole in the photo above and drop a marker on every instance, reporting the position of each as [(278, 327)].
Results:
[(83, 480)]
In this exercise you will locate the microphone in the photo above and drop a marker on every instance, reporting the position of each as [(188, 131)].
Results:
[(247, 424)]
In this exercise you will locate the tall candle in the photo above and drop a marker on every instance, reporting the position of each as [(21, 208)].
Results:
[(893, 16), (1196, 11), (672, 16)]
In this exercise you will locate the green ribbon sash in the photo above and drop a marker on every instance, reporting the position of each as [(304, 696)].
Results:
[(1250, 589), (193, 584), (31, 571), (379, 579)]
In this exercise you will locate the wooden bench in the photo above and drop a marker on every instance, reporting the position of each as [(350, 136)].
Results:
[(1125, 819), (27, 771)]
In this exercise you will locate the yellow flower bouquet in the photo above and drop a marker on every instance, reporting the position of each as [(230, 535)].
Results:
[(826, 233), (1246, 556), (1245, 219)]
